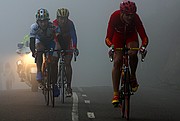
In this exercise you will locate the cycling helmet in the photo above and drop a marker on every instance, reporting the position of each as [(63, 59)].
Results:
[(63, 12), (128, 7), (42, 14)]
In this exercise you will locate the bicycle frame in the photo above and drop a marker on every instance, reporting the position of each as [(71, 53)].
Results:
[(62, 79), (125, 89), (48, 81)]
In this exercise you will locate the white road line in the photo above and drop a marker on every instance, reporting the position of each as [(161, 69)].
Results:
[(90, 115), (87, 101), (75, 116), (84, 95)]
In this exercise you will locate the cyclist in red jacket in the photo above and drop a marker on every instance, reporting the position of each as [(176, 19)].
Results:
[(66, 39), (124, 26)]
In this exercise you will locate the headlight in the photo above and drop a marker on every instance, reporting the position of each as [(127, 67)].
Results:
[(19, 62), (28, 58)]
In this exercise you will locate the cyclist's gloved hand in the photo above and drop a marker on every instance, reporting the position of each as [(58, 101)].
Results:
[(76, 52), (143, 52), (142, 49), (34, 54), (63, 52), (111, 51)]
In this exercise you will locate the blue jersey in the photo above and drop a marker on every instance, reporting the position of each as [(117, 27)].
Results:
[(45, 37)]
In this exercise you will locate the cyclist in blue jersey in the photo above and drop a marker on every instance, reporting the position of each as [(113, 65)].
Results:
[(66, 39), (42, 37)]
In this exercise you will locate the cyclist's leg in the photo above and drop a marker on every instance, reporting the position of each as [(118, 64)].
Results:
[(39, 60), (54, 59), (116, 73), (133, 61), (54, 64), (68, 59)]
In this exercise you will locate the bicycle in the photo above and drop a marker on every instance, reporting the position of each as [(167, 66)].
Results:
[(62, 79), (125, 91), (48, 80)]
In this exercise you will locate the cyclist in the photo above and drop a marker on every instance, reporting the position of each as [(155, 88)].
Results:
[(42, 37), (66, 39), (125, 24)]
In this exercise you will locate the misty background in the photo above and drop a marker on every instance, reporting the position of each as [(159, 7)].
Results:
[(93, 68)]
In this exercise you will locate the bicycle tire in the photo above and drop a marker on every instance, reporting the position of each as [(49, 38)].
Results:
[(46, 92), (62, 83), (122, 101), (51, 87), (47, 86), (125, 95), (121, 94), (62, 86), (127, 106)]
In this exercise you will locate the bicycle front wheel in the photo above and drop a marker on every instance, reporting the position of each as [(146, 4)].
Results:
[(127, 106), (52, 94), (46, 91), (126, 93), (62, 85), (51, 86)]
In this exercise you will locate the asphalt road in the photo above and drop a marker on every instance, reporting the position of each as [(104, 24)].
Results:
[(90, 104)]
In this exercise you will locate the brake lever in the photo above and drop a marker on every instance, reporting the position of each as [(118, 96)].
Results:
[(112, 55), (143, 55)]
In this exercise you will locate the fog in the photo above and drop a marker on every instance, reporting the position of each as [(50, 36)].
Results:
[(90, 17)]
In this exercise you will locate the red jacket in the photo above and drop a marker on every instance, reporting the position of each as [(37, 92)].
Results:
[(115, 31)]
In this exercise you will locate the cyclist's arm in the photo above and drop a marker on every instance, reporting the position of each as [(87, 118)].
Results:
[(32, 35), (32, 44), (73, 34), (110, 29), (141, 31)]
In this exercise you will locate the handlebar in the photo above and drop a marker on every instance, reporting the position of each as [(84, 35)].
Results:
[(127, 49), (61, 51)]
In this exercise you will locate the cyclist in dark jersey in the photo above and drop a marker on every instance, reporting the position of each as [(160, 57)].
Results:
[(42, 35), (66, 39), (125, 23)]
